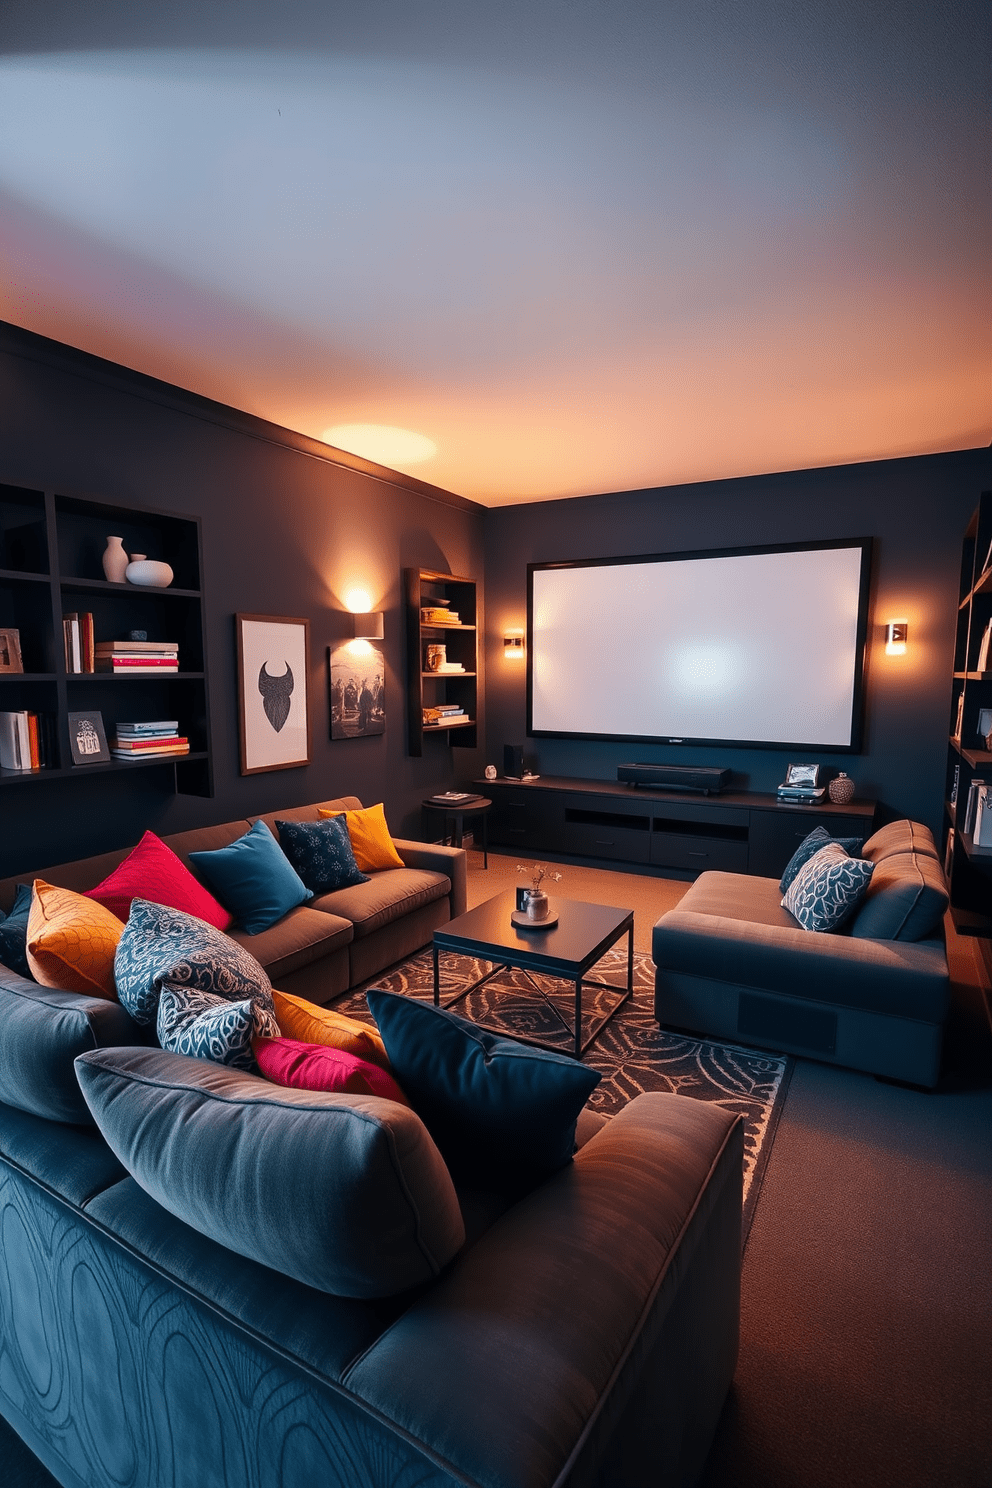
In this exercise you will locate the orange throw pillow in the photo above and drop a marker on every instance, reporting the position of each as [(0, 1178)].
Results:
[(72, 941), (310, 1024), (370, 839)]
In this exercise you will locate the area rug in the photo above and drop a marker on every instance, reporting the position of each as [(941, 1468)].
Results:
[(631, 1051)]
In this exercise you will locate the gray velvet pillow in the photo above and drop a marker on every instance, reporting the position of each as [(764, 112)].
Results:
[(345, 1193), (906, 899)]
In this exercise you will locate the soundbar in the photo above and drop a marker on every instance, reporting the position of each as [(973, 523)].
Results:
[(707, 779)]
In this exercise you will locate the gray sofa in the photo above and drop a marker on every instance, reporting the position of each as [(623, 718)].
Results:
[(733, 963)]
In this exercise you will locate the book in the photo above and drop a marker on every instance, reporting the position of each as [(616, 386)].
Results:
[(983, 650), (156, 741), (455, 798), (957, 783), (167, 726), (34, 749), (983, 819), (960, 718), (73, 648), (128, 648), (86, 642), (10, 743), (971, 806), (165, 751)]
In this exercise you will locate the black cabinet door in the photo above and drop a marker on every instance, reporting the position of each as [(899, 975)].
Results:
[(775, 835)]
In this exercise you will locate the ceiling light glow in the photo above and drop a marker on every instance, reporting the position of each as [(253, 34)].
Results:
[(381, 442)]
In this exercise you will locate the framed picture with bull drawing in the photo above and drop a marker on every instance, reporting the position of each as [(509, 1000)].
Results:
[(273, 672)]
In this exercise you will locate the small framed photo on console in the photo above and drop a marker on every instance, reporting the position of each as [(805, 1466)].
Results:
[(808, 775)]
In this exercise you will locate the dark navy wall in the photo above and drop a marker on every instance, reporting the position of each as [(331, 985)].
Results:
[(915, 509), (284, 533)]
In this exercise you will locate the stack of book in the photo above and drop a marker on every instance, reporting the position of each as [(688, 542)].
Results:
[(77, 636), (137, 658), (27, 741), (975, 789), (445, 668), (443, 715), (807, 793), (439, 614), (148, 740)]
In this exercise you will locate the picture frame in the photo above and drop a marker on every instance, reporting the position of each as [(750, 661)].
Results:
[(357, 680), (808, 775), (273, 654), (10, 651), (87, 739)]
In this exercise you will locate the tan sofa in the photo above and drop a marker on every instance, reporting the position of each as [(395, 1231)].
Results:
[(334, 942)]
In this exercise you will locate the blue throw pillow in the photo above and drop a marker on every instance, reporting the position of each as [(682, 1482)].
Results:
[(253, 878), (14, 934), (208, 1027), (321, 853), (827, 888), (500, 1111), (819, 837)]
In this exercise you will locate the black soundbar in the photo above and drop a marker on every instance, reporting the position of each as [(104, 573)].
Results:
[(708, 779)]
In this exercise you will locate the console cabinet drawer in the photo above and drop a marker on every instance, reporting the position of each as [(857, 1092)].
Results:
[(673, 850)]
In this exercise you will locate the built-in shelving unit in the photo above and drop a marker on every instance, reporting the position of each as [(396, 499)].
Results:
[(51, 551), (427, 589)]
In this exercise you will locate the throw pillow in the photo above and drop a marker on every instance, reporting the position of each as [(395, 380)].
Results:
[(321, 854), (827, 888), (369, 837), (72, 941), (819, 837), (310, 1024), (205, 1026), (152, 871), (499, 1111), (318, 1067), (253, 878), (162, 945), (14, 933)]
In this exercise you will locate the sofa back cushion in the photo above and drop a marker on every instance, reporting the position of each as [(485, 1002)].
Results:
[(900, 837), (346, 1193), (905, 900)]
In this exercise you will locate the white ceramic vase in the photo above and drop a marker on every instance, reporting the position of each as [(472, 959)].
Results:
[(114, 560), (537, 904), (148, 572), (841, 789)]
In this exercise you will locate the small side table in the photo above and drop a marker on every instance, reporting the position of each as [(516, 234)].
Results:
[(457, 814)]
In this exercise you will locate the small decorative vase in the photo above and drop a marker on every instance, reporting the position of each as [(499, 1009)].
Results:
[(148, 572), (537, 905), (114, 560), (841, 789)]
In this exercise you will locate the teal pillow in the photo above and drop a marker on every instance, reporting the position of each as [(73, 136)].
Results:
[(253, 878), (819, 837), (14, 934), (827, 888), (501, 1112)]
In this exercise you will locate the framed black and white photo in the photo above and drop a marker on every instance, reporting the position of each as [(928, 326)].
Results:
[(10, 651), (273, 668), (87, 739), (803, 775), (358, 690)]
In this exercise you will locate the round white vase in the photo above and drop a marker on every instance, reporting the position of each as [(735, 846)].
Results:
[(114, 560), (148, 572)]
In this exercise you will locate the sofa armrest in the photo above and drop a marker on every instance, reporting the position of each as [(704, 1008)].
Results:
[(451, 861)]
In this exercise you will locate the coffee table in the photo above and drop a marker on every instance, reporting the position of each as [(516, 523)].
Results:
[(583, 934)]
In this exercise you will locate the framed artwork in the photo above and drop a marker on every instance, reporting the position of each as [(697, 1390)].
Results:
[(87, 739), (357, 680), (803, 775), (10, 651), (273, 668)]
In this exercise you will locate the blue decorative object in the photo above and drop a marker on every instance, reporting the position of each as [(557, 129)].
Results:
[(208, 1027), (827, 888), (14, 933), (253, 878), (321, 854), (162, 945), (819, 837), (499, 1111)]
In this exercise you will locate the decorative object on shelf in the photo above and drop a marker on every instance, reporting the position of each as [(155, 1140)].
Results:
[(957, 783), (896, 636), (273, 668), (87, 739), (841, 789), (137, 635), (10, 651), (436, 657), (149, 573), (115, 560), (959, 717), (357, 677), (807, 776), (491, 772)]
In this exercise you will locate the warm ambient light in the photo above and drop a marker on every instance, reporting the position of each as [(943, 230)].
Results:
[(357, 599), (513, 645), (896, 635), (381, 442)]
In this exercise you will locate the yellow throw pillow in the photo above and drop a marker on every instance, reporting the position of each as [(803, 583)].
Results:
[(72, 941), (310, 1024), (370, 839)]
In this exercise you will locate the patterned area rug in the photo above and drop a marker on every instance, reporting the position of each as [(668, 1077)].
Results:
[(631, 1051)]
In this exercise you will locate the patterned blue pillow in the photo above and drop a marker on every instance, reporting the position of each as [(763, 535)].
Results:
[(208, 1027), (321, 853), (162, 945), (14, 933), (827, 888), (819, 837)]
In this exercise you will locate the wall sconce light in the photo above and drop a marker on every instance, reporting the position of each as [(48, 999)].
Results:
[(513, 646), (368, 625), (896, 635)]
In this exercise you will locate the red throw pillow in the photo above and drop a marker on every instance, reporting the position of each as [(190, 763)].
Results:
[(319, 1067), (152, 871)]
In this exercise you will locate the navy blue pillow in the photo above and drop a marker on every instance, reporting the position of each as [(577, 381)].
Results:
[(14, 934), (321, 853), (499, 1111), (253, 878), (819, 837)]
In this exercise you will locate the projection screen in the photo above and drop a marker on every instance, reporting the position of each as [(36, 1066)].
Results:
[(760, 647)]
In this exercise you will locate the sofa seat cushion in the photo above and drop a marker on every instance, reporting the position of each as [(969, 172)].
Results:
[(345, 1193), (388, 896), (900, 837), (906, 899), (302, 936)]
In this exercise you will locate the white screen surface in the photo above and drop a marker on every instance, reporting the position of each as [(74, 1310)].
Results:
[(759, 647)]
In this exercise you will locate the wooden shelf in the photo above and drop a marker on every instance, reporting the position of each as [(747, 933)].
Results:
[(103, 586), (441, 728), (425, 587)]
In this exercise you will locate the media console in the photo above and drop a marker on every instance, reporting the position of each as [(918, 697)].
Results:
[(738, 832)]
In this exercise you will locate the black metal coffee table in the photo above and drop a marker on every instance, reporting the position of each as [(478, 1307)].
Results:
[(583, 934)]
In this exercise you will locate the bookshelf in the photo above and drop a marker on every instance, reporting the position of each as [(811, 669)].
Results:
[(428, 589)]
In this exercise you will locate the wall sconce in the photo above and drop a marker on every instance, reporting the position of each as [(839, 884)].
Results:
[(896, 635), (368, 625), (513, 646)]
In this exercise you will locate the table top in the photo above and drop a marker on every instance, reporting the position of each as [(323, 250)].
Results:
[(583, 933), (474, 803)]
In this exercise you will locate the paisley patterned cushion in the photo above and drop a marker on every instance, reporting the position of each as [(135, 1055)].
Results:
[(162, 945), (827, 888), (209, 1027), (819, 837), (321, 853)]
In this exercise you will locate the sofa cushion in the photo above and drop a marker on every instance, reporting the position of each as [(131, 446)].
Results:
[(826, 889), (302, 937), (310, 1024), (14, 933), (205, 1026), (152, 871), (906, 899), (346, 1193), (254, 879), (321, 853), (369, 836), (72, 941), (900, 837), (387, 896), (500, 1111), (302, 1066), (819, 837)]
